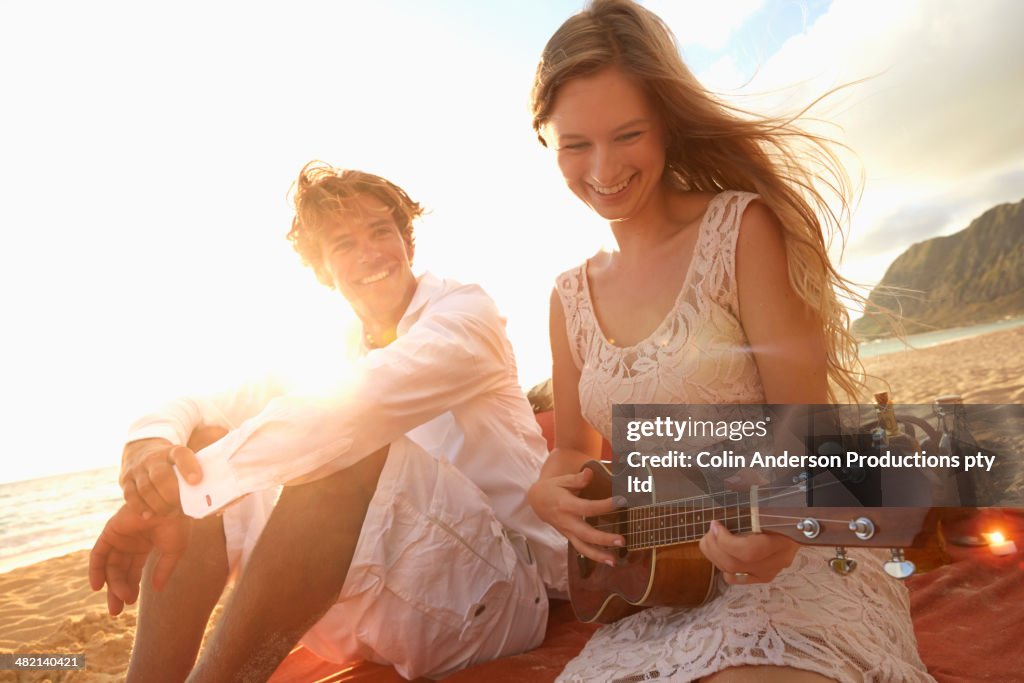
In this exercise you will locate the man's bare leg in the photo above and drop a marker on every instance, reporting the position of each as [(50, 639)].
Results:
[(171, 622), (294, 576)]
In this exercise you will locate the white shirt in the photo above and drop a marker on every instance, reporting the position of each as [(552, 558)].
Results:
[(448, 383)]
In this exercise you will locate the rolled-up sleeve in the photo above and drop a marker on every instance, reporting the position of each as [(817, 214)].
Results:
[(452, 353), (176, 420)]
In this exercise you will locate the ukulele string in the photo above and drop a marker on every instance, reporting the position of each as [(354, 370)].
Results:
[(788, 489), (694, 504), (641, 538)]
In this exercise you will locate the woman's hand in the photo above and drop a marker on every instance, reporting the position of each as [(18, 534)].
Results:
[(751, 558), (556, 500)]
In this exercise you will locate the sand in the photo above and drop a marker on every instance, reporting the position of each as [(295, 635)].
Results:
[(985, 369), (48, 607)]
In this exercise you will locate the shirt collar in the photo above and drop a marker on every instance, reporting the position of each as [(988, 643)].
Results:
[(427, 286)]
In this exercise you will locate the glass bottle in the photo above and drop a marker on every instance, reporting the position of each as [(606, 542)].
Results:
[(890, 433)]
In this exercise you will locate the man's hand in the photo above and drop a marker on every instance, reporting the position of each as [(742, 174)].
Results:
[(147, 475), (750, 558), (124, 545)]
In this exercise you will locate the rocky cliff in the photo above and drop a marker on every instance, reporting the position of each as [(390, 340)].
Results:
[(972, 276)]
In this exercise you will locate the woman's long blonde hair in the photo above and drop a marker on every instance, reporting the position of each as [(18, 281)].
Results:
[(713, 146)]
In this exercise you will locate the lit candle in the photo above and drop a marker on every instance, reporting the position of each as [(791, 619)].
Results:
[(999, 545)]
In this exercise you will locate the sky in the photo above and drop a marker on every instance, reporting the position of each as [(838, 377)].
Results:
[(146, 152)]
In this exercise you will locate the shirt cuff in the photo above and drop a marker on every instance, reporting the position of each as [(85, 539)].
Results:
[(157, 431), (218, 488)]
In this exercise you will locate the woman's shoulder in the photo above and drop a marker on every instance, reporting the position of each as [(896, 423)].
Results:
[(575, 279), (761, 260), (719, 209), (738, 199), (570, 281), (730, 212), (757, 222)]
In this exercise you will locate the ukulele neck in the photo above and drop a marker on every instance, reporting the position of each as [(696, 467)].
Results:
[(684, 521)]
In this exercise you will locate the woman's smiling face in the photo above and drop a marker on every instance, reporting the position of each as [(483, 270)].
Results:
[(609, 141)]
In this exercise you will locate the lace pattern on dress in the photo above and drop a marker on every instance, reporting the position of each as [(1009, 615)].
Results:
[(853, 629), (699, 352)]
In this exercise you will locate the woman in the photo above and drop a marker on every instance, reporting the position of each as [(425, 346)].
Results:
[(721, 291)]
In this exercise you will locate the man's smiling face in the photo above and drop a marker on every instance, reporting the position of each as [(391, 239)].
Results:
[(369, 261)]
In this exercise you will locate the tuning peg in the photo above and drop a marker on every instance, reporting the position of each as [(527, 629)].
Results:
[(863, 528), (898, 567), (841, 564), (809, 526)]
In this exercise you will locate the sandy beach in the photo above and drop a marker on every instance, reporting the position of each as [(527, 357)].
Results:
[(48, 607), (985, 369)]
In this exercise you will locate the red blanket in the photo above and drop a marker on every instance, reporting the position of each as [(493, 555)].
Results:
[(968, 617)]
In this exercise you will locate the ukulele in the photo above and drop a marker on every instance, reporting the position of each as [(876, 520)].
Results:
[(662, 565)]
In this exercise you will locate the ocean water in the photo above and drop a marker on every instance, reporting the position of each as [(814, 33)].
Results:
[(880, 347), (48, 517)]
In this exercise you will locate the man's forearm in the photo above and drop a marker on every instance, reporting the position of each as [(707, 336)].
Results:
[(203, 436)]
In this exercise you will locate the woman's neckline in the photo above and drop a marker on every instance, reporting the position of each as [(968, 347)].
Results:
[(675, 302)]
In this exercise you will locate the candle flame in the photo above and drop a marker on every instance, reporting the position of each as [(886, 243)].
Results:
[(994, 537)]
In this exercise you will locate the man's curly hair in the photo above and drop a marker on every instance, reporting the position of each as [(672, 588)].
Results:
[(324, 194)]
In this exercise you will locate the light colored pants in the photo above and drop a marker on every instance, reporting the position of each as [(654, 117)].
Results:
[(436, 583)]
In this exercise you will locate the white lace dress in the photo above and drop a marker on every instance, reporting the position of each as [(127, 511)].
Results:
[(853, 628)]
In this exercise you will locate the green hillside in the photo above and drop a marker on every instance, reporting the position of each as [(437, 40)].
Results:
[(973, 276)]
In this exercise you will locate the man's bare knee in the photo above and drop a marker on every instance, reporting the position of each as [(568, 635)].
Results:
[(208, 538), (205, 560), (295, 572), (359, 478)]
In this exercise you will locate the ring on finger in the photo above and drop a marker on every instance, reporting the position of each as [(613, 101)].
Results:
[(741, 576)]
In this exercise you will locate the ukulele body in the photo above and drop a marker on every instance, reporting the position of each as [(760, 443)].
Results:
[(670, 575)]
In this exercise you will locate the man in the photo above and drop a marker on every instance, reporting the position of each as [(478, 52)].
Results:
[(403, 535)]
